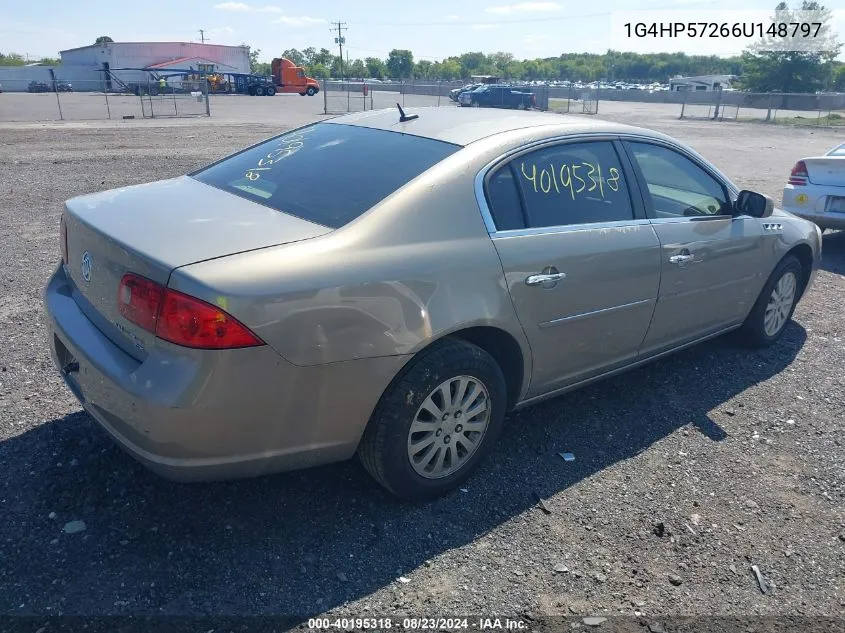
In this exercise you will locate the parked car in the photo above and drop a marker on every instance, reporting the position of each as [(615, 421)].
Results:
[(457, 92), (497, 96), (816, 189), (39, 86), (1, 88), (478, 262), (64, 86)]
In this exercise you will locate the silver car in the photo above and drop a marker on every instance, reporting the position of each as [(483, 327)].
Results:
[(392, 285)]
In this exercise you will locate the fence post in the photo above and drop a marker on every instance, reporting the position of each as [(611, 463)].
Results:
[(683, 104), (439, 90), (718, 103), (106, 95), (58, 101), (207, 100)]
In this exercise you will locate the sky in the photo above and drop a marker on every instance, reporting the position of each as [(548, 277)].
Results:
[(431, 29)]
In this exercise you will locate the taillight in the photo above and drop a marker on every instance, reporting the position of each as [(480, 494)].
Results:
[(139, 300), (180, 318), (799, 175), (193, 323), (63, 238)]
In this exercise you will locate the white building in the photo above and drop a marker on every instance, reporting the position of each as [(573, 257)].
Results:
[(126, 61), (702, 83)]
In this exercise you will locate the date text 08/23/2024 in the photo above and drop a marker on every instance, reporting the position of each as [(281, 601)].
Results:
[(417, 624)]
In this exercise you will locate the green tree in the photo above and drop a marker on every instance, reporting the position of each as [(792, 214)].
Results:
[(357, 69), (318, 71), (324, 57), (375, 67), (308, 56), (450, 69), (423, 70), (103, 39), (295, 56), (400, 63), (838, 78), (473, 64), (256, 67), (12, 59), (768, 67)]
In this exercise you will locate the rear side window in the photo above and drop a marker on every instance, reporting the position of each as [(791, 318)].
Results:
[(326, 173), (573, 183), (503, 200)]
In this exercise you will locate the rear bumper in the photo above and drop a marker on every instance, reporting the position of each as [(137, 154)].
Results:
[(201, 415), (812, 202)]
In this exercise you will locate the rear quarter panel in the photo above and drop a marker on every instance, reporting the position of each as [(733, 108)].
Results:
[(413, 269)]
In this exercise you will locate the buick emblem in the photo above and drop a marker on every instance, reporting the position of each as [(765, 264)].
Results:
[(86, 266)]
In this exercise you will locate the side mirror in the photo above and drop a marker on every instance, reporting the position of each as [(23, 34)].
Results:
[(754, 204)]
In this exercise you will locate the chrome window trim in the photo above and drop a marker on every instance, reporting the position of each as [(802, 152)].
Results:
[(694, 218), (487, 216), (569, 228)]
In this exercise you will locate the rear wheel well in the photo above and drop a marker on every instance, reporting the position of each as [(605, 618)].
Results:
[(805, 256), (506, 352)]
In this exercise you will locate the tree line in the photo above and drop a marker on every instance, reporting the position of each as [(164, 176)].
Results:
[(789, 72), (759, 69)]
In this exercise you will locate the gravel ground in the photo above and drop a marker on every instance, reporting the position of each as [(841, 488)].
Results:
[(687, 472)]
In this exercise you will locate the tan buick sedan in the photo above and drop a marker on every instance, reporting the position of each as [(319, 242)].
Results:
[(391, 285)]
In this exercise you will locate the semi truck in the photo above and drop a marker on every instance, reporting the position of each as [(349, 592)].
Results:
[(289, 77)]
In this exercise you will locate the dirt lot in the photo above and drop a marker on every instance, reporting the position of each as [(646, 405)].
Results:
[(738, 454)]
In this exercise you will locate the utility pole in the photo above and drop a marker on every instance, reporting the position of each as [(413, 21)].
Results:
[(340, 41), (202, 35)]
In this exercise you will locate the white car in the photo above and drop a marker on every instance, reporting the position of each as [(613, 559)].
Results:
[(816, 189)]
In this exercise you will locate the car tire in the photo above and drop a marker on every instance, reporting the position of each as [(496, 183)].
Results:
[(270, 91), (251, 91), (311, 91), (774, 307), (416, 398), (259, 91)]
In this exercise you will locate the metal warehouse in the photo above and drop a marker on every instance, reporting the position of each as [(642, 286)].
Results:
[(124, 61)]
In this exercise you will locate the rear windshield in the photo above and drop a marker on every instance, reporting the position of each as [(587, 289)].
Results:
[(326, 173)]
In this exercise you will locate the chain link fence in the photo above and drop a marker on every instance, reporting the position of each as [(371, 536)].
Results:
[(772, 107), (90, 100), (358, 96)]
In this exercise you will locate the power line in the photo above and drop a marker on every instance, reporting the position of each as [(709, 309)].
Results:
[(340, 41)]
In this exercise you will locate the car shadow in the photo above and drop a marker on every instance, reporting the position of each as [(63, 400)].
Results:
[(833, 252), (304, 542)]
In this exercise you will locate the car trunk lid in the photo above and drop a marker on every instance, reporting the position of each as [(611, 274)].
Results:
[(826, 171), (152, 229)]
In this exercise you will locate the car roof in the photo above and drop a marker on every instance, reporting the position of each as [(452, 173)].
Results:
[(462, 126)]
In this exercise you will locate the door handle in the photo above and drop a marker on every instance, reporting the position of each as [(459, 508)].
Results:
[(543, 278), (681, 259)]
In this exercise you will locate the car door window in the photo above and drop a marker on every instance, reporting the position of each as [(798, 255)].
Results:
[(573, 183), (676, 185), (503, 200)]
